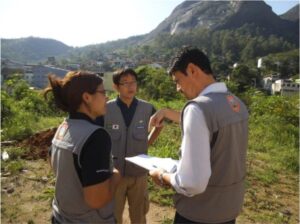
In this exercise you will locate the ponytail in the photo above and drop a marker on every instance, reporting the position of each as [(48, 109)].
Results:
[(68, 91)]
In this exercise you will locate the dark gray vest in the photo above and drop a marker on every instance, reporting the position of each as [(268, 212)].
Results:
[(227, 120), (69, 205), (128, 141)]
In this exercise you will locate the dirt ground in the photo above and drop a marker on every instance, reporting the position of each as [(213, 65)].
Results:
[(26, 196)]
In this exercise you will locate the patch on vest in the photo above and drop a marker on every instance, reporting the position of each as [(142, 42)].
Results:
[(62, 131), (113, 126), (234, 104)]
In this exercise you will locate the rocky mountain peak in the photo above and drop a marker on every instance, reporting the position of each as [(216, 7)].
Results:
[(214, 15), (292, 14)]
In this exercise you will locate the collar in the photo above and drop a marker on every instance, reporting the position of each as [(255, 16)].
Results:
[(216, 87), (122, 104), (82, 116)]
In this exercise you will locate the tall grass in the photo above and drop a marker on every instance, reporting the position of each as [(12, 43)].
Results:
[(272, 152)]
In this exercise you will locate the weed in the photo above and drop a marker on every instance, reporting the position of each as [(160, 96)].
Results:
[(47, 194), (13, 167), (30, 221), (16, 152), (166, 221)]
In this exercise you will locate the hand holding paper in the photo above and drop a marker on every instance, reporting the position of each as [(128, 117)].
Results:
[(151, 163)]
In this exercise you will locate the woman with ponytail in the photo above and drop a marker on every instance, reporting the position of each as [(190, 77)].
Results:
[(81, 152)]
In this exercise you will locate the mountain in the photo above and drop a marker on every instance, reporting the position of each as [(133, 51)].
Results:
[(219, 15), (211, 18), (32, 49), (292, 14)]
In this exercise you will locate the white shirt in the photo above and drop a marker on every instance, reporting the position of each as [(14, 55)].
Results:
[(194, 168)]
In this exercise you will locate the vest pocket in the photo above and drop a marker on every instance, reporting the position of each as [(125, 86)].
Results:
[(140, 133)]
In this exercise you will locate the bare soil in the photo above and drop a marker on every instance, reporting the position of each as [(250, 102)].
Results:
[(38, 144), (26, 196)]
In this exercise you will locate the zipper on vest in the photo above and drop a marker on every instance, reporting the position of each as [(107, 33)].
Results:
[(125, 150)]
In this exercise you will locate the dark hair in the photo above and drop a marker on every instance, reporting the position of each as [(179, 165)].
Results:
[(123, 72), (189, 55), (68, 91)]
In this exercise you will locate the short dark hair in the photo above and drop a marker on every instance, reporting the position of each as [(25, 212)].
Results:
[(188, 55), (123, 72)]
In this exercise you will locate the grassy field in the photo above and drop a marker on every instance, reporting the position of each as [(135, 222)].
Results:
[(271, 196), (272, 180)]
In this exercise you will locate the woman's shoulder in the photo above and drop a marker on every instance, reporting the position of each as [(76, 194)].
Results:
[(100, 133)]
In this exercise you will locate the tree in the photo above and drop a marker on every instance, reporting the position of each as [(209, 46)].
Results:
[(155, 83), (244, 77)]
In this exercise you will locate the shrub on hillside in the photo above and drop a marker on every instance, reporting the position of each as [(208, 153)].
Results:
[(22, 109), (156, 84), (274, 128)]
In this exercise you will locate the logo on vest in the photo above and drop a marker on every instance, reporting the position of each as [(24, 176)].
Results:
[(140, 124), (115, 127), (234, 104), (62, 131)]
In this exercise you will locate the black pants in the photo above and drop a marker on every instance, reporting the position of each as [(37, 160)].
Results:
[(181, 220), (54, 220)]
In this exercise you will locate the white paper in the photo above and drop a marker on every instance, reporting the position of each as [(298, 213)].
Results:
[(151, 162)]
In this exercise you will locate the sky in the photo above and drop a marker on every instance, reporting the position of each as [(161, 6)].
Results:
[(83, 22)]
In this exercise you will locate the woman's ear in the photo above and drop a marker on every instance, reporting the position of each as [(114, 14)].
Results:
[(86, 97)]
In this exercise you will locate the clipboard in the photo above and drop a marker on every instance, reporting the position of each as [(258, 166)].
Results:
[(151, 162)]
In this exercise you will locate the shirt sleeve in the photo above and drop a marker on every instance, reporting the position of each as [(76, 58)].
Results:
[(153, 110), (95, 158), (194, 168)]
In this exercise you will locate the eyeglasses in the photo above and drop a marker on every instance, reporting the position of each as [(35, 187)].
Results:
[(128, 84), (101, 91)]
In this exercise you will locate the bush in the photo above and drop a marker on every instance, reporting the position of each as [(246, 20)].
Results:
[(274, 129), (23, 109), (156, 84)]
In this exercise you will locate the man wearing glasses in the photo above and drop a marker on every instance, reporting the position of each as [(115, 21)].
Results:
[(127, 121)]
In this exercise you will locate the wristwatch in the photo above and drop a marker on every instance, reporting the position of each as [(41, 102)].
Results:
[(161, 179)]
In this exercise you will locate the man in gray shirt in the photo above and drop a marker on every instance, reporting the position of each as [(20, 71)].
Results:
[(209, 181), (127, 121)]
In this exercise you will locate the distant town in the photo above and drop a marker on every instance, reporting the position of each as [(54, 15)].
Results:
[(36, 74)]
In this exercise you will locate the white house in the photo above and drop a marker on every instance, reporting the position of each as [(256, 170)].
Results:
[(268, 81), (285, 87)]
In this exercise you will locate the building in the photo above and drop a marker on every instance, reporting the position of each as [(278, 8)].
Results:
[(35, 75), (267, 82), (40, 73), (285, 87)]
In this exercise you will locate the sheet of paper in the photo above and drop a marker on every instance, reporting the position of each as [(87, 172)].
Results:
[(150, 162)]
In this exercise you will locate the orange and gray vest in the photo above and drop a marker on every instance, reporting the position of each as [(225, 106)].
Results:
[(69, 205), (227, 121), (128, 141)]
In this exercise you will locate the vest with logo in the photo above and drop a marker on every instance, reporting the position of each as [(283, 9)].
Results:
[(69, 205), (227, 121), (128, 141)]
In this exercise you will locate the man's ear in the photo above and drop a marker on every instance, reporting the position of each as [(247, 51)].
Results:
[(193, 70), (116, 87)]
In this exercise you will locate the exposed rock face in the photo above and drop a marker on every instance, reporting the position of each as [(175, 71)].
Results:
[(215, 15), (292, 14)]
